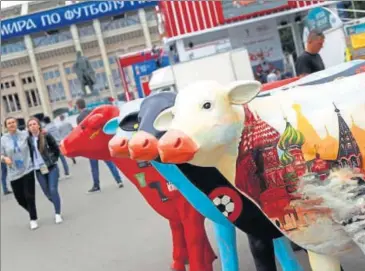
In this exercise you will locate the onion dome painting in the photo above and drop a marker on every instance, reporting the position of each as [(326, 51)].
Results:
[(348, 153), (310, 134), (291, 141), (286, 158), (328, 148), (290, 176), (291, 138)]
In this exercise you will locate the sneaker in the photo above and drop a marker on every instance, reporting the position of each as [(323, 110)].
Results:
[(33, 224), (94, 189), (120, 185), (58, 219)]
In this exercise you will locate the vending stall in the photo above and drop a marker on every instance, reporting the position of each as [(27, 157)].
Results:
[(141, 65), (355, 40)]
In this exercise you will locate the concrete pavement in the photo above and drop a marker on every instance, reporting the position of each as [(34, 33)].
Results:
[(114, 230)]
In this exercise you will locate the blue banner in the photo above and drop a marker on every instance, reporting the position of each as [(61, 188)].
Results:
[(67, 15)]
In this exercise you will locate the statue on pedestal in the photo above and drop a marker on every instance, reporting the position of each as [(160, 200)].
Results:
[(84, 72)]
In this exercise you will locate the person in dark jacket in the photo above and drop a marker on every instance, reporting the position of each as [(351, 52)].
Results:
[(45, 154), (311, 61)]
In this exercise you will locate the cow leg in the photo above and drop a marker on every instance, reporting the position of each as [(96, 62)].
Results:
[(201, 254), (263, 253), (227, 246), (321, 262), (180, 252), (285, 255)]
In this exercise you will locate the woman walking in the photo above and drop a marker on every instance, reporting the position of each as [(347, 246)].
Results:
[(45, 153), (15, 154)]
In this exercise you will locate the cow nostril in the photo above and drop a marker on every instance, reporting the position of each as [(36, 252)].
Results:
[(178, 143), (145, 143), (123, 143)]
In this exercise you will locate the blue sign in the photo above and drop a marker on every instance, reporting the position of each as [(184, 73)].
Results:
[(67, 15), (146, 68), (322, 19)]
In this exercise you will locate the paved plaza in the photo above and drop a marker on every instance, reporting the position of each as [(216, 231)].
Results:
[(114, 230)]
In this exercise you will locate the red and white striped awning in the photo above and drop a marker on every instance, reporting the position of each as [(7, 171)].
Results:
[(183, 17)]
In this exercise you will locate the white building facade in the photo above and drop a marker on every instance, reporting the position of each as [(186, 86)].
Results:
[(39, 44)]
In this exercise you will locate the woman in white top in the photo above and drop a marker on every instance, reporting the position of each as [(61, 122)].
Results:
[(15, 154)]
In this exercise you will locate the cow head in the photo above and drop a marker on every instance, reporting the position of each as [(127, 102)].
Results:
[(143, 145), (122, 127), (88, 139), (206, 119)]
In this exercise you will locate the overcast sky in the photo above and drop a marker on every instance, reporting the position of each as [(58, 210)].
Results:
[(5, 4)]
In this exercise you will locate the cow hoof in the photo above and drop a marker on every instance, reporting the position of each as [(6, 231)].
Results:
[(177, 266)]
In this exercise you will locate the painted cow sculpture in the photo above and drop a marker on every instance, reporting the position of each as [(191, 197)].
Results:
[(143, 146), (311, 188), (190, 242)]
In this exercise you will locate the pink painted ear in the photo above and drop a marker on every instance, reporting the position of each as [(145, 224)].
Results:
[(96, 121), (242, 92)]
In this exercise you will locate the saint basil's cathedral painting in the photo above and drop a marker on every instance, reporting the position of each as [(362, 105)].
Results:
[(271, 167)]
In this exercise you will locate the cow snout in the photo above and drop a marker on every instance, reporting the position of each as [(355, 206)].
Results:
[(143, 146), (176, 147), (63, 148), (118, 147)]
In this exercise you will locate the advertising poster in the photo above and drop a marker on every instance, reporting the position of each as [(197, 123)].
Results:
[(263, 43), (356, 34)]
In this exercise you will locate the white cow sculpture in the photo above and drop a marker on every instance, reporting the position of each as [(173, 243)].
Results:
[(298, 154)]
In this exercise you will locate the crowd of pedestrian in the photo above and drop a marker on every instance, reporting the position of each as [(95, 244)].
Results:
[(33, 154)]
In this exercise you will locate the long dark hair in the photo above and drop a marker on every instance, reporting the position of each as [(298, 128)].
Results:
[(41, 136)]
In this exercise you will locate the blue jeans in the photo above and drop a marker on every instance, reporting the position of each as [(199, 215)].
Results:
[(4, 174), (49, 185), (94, 164), (64, 164)]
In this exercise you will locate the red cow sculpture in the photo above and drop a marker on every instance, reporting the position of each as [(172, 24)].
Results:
[(190, 242)]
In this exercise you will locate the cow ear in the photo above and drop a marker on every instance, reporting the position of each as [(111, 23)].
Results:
[(110, 128), (163, 121), (96, 121), (242, 92)]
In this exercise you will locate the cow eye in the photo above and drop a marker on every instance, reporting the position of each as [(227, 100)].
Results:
[(207, 105)]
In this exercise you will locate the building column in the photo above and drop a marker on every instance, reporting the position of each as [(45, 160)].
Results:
[(299, 47), (145, 28), (64, 82), (104, 57), (2, 116), (76, 37), (21, 94), (43, 94)]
